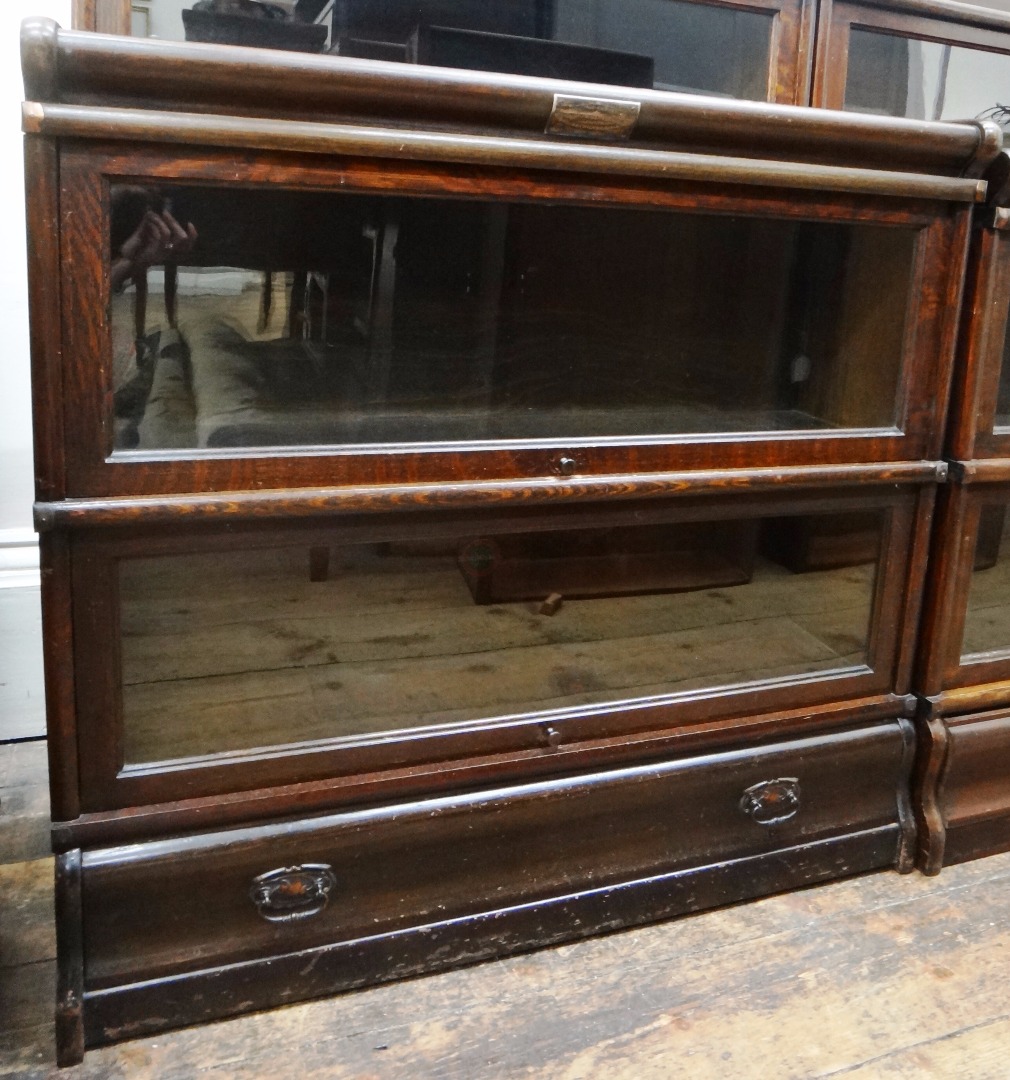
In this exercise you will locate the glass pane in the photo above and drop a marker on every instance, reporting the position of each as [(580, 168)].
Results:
[(666, 44), (228, 651), (301, 318), (1002, 420), (987, 625), (925, 80)]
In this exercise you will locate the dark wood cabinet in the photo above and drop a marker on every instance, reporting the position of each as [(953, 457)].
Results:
[(477, 510), (938, 60), (932, 60)]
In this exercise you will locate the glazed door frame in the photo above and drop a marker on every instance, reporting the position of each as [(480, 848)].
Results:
[(92, 470), (451, 754), (973, 433), (955, 682), (936, 21)]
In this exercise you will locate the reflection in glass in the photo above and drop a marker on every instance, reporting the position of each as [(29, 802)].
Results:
[(987, 624), (227, 651), (925, 80), (1002, 420), (665, 44), (251, 318)]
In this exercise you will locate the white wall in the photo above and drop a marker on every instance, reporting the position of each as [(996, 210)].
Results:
[(17, 542), (166, 18)]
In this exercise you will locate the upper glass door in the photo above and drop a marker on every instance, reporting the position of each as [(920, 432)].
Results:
[(249, 318), (949, 64)]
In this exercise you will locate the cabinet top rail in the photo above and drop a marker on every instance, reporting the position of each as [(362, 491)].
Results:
[(985, 18), (79, 68)]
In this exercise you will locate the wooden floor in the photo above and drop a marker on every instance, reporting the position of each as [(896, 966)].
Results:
[(22, 701), (233, 641), (875, 977)]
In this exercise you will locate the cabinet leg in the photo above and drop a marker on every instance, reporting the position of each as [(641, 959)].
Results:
[(69, 960)]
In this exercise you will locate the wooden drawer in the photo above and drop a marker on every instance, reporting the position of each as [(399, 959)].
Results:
[(391, 891), (974, 788)]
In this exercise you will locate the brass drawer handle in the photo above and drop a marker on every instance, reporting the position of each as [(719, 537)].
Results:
[(291, 893), (772, 801)]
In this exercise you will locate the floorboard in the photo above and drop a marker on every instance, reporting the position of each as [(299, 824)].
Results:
[(22, 699)]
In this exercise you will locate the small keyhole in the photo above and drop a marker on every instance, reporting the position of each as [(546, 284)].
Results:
[(566, 466)]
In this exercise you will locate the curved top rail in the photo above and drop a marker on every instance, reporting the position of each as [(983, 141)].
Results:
[(74, 67)]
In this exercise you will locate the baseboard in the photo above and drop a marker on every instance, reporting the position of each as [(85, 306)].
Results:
[(19, 558)]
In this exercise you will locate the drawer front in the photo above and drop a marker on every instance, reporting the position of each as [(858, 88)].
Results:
[(975, 787), (156, 909)]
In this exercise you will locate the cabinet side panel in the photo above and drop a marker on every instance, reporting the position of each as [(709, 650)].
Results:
[(58, 661), (42, 200)]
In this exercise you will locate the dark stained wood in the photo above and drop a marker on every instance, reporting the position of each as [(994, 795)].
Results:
[(930, 20), (930, 324), (106, 784), (196, 129), (908, 838), (980, 356), (70, 960), (38, 60), (210, 881), (127, 1012), (914, 601), (171, 906), (708, 734), (491, 828), (927, 792), (44, 273), (835, 961), (943, 611), (58, 651), (975, 796), (180, 75), (253, 505)]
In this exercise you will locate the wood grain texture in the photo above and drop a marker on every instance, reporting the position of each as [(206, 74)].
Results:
[(983, 330), (926, 363), (27, 927), (70, 960), (942, 21), (100, 702), (44, 306), (57, 657), (705, 732), (928, 792), (181, 74), (121, 1013), (196, 129), (252, 505), (445, 861)]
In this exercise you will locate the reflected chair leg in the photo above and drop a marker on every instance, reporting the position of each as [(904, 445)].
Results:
[(171, 292), (266, 302), (296, 316)]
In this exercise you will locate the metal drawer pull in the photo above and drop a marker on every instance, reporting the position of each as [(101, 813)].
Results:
[(292, 892), (772, 801)]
